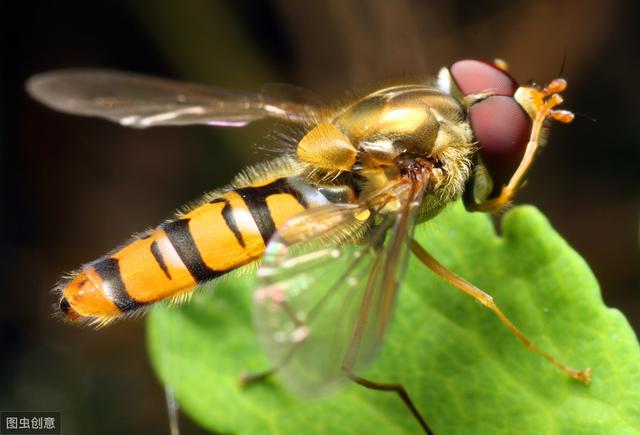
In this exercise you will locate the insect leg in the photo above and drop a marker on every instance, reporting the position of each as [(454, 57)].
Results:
[(350, 358), (543, 102), (399, 389), (487, 300)]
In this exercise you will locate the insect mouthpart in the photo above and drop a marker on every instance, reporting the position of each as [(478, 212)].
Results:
[(415, 166)]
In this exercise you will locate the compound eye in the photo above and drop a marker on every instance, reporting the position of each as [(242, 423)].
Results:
[(502, 129), (474, 76)]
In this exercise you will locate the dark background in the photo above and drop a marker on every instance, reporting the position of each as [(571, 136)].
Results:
[(72, 188)]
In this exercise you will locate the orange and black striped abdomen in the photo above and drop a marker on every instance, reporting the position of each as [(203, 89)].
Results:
[(228, 231)]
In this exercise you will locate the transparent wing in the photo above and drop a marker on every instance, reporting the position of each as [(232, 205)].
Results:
[(327, 287), (141, 101)]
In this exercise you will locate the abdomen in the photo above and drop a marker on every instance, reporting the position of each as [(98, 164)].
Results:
[(224, 233)]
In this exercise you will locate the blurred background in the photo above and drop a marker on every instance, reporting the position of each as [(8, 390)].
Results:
[(73, 188)]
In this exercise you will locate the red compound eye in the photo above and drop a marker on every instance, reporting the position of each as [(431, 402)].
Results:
[(502, 129), (473, 76)]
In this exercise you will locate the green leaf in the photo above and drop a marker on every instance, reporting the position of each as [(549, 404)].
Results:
[(464, 370)]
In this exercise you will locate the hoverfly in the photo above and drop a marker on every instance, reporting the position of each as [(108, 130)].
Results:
[(331, 219)]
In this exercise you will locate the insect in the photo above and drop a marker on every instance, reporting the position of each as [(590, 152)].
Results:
[(331, 219)]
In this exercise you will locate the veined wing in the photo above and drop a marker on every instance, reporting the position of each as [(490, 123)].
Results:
[(327, 287), (140, 101)]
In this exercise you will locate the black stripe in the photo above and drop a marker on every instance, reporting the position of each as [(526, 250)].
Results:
[(109, 271), (157, 255), (281, 185), (256, 200), (229, 218), (180, 237)]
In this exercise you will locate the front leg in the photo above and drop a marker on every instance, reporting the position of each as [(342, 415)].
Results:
[(540, 105)]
